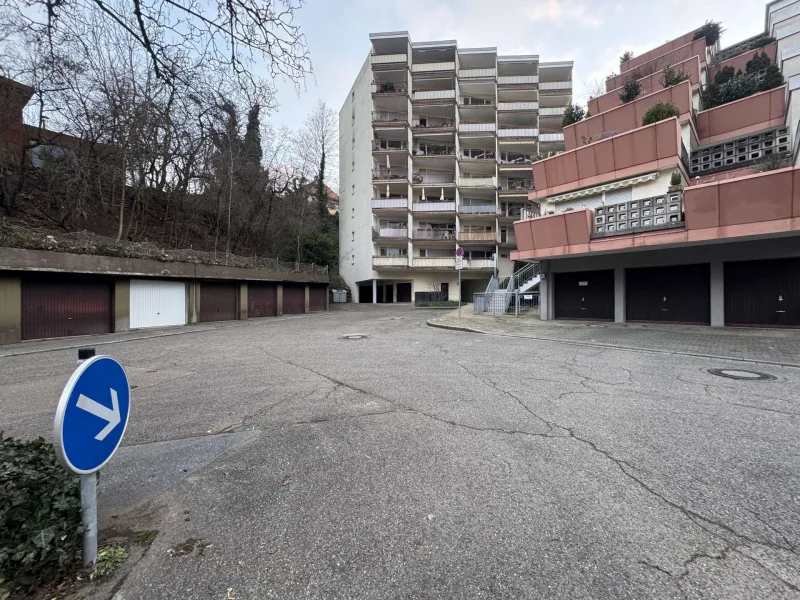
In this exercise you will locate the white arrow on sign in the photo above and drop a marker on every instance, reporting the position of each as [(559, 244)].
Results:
[(105, 413)]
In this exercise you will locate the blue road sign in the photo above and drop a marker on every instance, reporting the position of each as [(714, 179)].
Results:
[(92, 415), (459, 251)]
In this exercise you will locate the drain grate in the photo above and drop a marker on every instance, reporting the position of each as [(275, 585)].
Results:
[(354, 336), (742, 374)]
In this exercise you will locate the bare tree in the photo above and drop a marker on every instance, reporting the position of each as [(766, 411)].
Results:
[(318, 148)]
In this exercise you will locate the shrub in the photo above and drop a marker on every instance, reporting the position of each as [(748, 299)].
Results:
[(672, 77), (763, 41), (724, 75), (572, 114), (543, 155), (773, 162), (772, 78), (675, 178), (630, 91), (660, 111), (40, 516), (626, 56), (711, 30), (438, 304), (759, 62)]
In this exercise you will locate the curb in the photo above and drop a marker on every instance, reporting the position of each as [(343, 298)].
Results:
[(432, 323)]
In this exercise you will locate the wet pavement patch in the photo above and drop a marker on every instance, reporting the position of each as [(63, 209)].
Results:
[(742, 374), (354, 336)]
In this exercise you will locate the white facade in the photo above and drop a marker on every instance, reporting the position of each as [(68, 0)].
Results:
[(435, 148)]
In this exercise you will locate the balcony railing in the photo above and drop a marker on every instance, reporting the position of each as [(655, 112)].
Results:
[(388, 87), (506, 132), (477, 127), (529, 213), (475, 101), (477, 236), (435, 95), (390, 203), (435, 262), (389, 261), (507, 237), (551, 137), (657, 212), (434, 206), (511, 213), (477, 154), (477, 182), (518, 106), (434, 179), (740, 152), (514, 160), (432, 123), (517, 79), (478, 263), (472, 73), (434, 235), (516, 184), (555, 85), (435, 151), (389, 233), (393, 173), (395, 146), (552, 111), (387, 59), (387, 116), (429, 67), (477, 209)]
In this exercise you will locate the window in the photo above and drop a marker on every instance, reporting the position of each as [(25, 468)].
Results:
[(423, 253), (394, 252)]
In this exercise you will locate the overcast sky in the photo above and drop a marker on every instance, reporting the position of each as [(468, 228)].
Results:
[(592, 33)]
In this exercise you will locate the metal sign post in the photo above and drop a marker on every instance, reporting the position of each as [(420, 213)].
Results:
[(459, 266), (87, 431)]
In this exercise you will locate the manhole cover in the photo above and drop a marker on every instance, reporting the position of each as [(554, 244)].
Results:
[(354, 336), (742, 374)]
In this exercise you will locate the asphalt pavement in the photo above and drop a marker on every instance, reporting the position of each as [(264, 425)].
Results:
[(280, 459)]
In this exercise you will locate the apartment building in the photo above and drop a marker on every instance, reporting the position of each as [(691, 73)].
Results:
[(436, 145), (691, 219)]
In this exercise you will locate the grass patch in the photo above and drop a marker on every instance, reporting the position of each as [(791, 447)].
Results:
[(108, 560), (143, 538)]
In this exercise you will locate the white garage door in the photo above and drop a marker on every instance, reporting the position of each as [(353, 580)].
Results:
[(157, 303)]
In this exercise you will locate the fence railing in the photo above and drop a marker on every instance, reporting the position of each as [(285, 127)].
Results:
[(390, 203), (477, 209), (499, 303), (433, 234)]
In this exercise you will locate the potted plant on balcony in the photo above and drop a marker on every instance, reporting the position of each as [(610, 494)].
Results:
[(675, 182)]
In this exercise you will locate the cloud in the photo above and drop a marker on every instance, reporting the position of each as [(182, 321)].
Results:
[(564, 13)]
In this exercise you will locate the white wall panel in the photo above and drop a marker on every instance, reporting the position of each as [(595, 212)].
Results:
[(157, 303)]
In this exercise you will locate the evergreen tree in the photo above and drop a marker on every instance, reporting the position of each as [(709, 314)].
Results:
[(253, 152)]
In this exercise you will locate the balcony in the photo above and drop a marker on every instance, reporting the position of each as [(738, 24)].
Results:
[(474, 182), (738, 60), (651, 148), (557, 111), (517, 132), (441, 262), (391, 262), (650, 84), (752, 114), (432, 150), (477, 127), (477, 209), (656, 65), (516, 185), (477, 73), (433, 67), (434, 179), (745, 48), (514, 159), (755, 205), (637, 61), (475, 264), (741, 152), (390, 203), (434, 235), (388, 59), (477, 236), (477, 154), (507, 238), (433, 125), (383, 145), (391, 174), (517, 79), (388, 117), (388, 88), (475, 102), (434, 207), (510, 214), (389, 233), (504, 106), (435, 95), (551, 137)]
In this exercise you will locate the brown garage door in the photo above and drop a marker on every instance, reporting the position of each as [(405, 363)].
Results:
[(317, 296), (585, 295), (218, 302), (262, 300), (763, 292), (63, 307), (677, 294), (294, 299)]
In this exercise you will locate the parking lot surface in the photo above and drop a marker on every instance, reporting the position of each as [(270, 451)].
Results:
[(288, 458)]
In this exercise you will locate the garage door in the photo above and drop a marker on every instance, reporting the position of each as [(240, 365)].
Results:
[(763, 292), (157, 303), (294, 299), (584, 295), (218, 302), (262, 300), (677, 294), (365, 294), (404, 292), (64, 307), (317, 297)]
